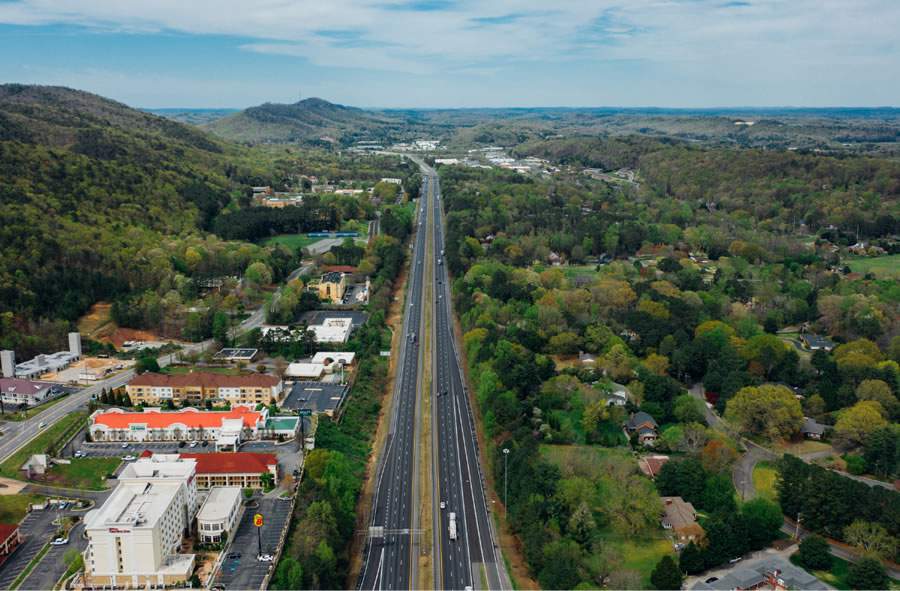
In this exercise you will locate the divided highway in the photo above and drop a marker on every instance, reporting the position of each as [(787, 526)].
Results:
[(470, 559), (390, 562)]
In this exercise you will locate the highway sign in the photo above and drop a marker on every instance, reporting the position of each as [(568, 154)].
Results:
[(258, 520), (305, 412)]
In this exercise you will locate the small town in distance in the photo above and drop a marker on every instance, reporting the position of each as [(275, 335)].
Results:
[(428, 295)]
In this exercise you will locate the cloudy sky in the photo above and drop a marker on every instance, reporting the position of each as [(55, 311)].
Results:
[(468, 53)]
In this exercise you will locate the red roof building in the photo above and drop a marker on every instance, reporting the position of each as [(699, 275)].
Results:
[(10, 537), (230, 468)]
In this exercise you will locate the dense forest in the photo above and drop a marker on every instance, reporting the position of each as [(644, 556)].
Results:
[(662, 295)]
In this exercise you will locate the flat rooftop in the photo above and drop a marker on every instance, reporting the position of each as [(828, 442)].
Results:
[(318, 316), (219, 503), (133, 505)]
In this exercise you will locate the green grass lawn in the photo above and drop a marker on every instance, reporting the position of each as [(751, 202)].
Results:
[(14, 507), (183, 369), (293, 241), (40, 444), (836, 577), (85, 473), (571, 271), (639, 554), (27, 414), (885, 267), (764, 474)]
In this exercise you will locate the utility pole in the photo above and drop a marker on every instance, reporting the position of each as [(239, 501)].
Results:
[(797, 529), (505, 476)]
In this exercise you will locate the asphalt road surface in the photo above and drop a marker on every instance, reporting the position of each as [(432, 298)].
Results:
[(243, 570), (471, 559), (389, 562)]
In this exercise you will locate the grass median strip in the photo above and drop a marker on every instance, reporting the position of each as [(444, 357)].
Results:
[(34, 562), (11, 468)]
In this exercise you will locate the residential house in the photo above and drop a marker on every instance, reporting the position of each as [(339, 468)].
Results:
[(812, 429), (644, 426), (814, 342), (680, 517), (15, 391)]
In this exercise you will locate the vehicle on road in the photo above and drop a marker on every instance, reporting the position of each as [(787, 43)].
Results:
[(79, 454), (711, 580), (265, 558), (452, 526), (59, 542), (42, 425), (443, 504)]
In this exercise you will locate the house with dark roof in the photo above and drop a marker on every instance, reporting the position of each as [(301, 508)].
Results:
[(773, 573), (644, 426), (812, 429), (814, 342)]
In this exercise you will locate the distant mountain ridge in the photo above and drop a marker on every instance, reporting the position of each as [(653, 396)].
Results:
[(310, 120)]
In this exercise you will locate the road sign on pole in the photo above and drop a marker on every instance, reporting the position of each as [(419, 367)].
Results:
[(258, 522), (305, 412)]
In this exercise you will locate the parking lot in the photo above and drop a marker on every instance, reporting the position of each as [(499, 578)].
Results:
[(53, 565), (243, 570), (318, 397), (37, 529)]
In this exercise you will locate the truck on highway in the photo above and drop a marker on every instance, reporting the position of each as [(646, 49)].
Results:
[(452, 526)]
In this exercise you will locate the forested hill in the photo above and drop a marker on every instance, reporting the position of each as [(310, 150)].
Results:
[(308, 121), (94, 194)]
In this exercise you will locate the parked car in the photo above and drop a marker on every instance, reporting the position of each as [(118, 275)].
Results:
[(59, 542), (124, 446), (265, 558), (204, 444), (181, 444), (234, 556), (79, 454), (712, 580), (128, 458), (193, 444)]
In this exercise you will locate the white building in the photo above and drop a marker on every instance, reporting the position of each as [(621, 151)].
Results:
[(305, 371), (329, 357), (219, 514), (333, 330), (44, 363), (134, 537)]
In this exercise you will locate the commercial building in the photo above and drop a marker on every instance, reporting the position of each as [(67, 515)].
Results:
[(328, 358), (305, 371), (331, 286), (219, 514), (226, 428), (198, 387), (241, 469), (14, 391), (42, 364), (236, 355), (332, 330), (134, 537)]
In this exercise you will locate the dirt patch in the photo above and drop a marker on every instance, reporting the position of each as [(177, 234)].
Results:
[(118, 336), (8, 486), (97, 322), (364, 504)]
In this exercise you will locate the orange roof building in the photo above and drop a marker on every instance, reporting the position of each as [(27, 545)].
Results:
[(241, 469), (226, 428)]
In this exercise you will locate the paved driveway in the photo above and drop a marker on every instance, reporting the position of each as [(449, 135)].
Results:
[(37, 528), (53, 565)]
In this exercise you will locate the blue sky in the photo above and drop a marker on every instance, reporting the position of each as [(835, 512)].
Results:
[(448, 53)]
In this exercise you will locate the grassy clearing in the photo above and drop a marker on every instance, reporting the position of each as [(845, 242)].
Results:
[(84, 473), (572, 271), (804, 447), (836, 577), (585, 460), (639, 554), (293, 241), (40, 444), (764, 475), (183, 369), (886, 267), (14, 507), (27, 414)]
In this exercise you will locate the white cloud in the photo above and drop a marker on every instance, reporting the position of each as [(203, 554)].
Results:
[(736, 42)]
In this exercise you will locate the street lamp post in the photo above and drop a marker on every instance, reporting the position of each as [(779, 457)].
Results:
[(505, 476)]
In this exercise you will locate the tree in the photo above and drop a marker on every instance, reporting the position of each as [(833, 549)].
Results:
[(691, 560), (688, 409), (288, 575), (682, 479), (763, 520), (857, 422), (220, 326), (871, 538), (718, 494), (880, 392), (559, 557), (666, 574), (814, 553), (267, 479), (768, 410), (867, 573), (258, 273), (717, 456), (882, 451), (146, 364)]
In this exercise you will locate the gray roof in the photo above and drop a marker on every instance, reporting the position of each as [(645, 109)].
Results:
[(814, 341), (638, 418), (811, 426), (745, 576)]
